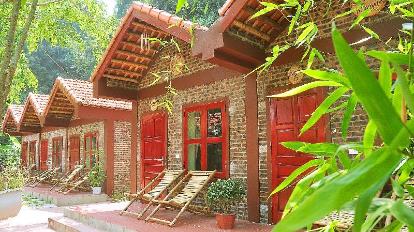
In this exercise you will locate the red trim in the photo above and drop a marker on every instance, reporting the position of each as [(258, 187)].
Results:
[(44, 147), (134, 147), (204, 140), (89, 154)]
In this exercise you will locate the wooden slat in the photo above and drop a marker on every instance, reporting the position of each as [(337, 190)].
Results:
[(130, 63), (134, 55), (119, 78), (148, 28), (137, 47), (135, 74), (251, 30), (263, 18)]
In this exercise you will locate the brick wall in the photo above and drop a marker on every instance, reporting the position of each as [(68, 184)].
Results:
[(163, 59), (122, 159), (232, 89)]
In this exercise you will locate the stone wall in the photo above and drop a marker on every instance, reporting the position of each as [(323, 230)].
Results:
[(49, 137), (28, 139)]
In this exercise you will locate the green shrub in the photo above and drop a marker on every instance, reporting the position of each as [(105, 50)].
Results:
[(222, 195), (11, 178), (97, 175)]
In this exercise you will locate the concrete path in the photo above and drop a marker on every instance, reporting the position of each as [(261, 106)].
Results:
[(30, 219)]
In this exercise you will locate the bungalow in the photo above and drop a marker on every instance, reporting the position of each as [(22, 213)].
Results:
[(222, 118), (70, 127)]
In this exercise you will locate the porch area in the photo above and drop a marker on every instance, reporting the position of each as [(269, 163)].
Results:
[(105, 217), (43, 192)]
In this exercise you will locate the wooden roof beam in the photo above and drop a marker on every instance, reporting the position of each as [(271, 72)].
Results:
[(134, 56), (121, 78), (251, 30), (125, 72), (130, 63), (262, 18), (149, 28), (136, 47)]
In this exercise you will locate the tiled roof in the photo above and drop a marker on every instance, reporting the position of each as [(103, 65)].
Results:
[(82, 93), (166, 17), (39, 102), (16, 112)]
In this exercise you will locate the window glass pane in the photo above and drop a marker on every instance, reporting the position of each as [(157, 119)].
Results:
[(214, 123), (214, 154), (193, 120), (194, 157)]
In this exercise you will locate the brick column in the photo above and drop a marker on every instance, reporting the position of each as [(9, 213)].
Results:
[(109, 152), (134, 147)]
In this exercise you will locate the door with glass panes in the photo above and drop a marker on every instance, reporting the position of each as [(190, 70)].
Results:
[(206, 138)]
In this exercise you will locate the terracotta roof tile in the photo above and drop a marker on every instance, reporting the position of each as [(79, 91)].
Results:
[(39, 102), (166, 17), (82, 92), (16, 111), (222, 11)]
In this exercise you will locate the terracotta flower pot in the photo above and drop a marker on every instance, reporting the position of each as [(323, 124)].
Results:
[(10, 203), (225, 221)]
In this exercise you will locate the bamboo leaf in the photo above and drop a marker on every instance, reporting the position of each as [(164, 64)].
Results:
[(323, 108), (385, 77), (368, 89), (319, 149), (352, 102), (297, 172), (369, 137), (327, 76), (306, 87), (403, 213), (180, 5)]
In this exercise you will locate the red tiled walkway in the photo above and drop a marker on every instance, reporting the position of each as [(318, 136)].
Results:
[(109, 213)]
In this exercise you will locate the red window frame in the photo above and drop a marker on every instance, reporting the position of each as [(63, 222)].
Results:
[(90, 153), (57, 151), (204, 139)]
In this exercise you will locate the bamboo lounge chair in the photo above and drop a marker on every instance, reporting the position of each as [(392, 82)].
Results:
[(182, 195), (45, 176), (67, 178), (163, 181), (78, 184)]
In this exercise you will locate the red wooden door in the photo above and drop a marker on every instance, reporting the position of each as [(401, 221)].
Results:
[(43, 154), (288, 115), (74, 151), (32, 153), (57, 148), (24, 154), (153, 146)]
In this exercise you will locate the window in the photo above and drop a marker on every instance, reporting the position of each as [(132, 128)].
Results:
[(57, 148), (205, 138), (90, 156)]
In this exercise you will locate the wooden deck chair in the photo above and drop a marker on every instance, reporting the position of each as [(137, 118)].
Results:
[(183, 194), (78, 184), (68, 178), (45, 176), (30, 173), (163, 181)]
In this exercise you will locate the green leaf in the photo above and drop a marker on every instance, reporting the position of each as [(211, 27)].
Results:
[(295, 19), (319, 149), (180, 5), (403, 82), (297, 172), (333, 195), (385, 77), (327, 76), (323, 108), (397, 58), (370, 32), (369, 137), (403, 213), (306, 87), (352, 102), (268, 6), (368, 89)]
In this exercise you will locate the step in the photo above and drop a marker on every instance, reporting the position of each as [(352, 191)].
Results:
[(64, 224)]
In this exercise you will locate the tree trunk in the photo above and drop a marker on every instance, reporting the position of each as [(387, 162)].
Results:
[(19, 48), (7, 55)]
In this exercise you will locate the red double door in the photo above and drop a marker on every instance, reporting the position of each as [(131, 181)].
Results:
[(153, 146), (287, 116)]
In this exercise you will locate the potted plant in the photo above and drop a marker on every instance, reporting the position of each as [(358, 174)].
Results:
[(96, 178), (222, 197), (11, 183)]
